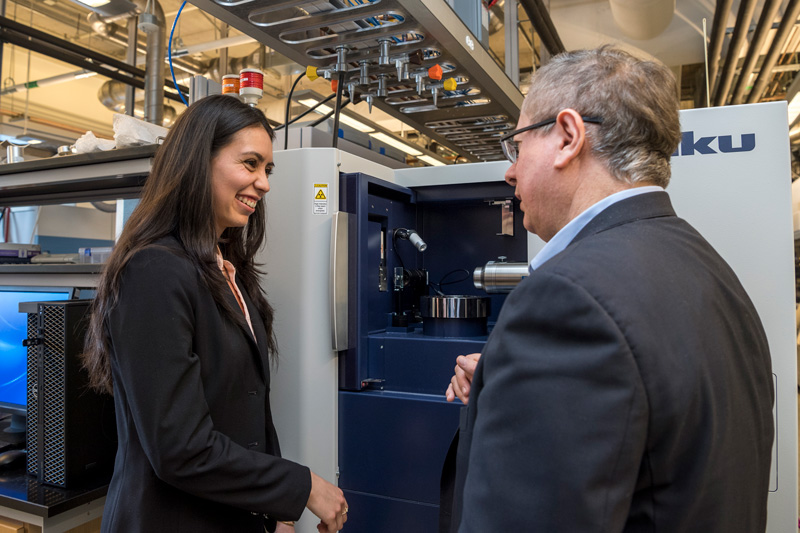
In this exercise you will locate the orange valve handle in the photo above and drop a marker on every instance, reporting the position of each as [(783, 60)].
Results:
[(311, 73), (435, 72), (450, 84), (334, 85)]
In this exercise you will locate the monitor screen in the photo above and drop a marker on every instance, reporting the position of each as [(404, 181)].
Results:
[(13, 330)]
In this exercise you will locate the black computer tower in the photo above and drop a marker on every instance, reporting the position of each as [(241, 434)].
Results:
[(71, 430)]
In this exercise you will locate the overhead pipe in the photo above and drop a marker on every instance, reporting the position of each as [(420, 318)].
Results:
[(106, 28), (763, 27), (743, 18), (112, 94), (543, 24), (44, 82), (715, 49), (788, 21), (114, 32), (642, 20), (154, 25)]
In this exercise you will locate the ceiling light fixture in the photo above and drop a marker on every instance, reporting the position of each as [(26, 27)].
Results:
[(108, 8), (344, 119), (431, 161), (391, 141)]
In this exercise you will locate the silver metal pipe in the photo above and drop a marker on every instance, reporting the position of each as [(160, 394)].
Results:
[(154, 69), (497, 278)]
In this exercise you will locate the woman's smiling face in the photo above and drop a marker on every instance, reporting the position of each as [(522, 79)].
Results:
[(240, 177)]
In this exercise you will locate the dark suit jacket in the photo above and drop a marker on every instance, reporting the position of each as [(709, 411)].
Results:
[(625, 387), (197, 448)]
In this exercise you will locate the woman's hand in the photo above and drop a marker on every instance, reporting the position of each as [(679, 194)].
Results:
[(327, 502), (461, 382)]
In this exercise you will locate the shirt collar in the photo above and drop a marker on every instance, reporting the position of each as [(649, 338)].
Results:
[(564, 237)]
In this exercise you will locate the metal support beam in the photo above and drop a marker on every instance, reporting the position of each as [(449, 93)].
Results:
[(511, 20)]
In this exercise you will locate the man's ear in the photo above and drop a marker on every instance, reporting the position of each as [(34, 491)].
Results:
[(572, 137)]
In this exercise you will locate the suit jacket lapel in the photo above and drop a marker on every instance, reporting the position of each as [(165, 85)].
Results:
[(642, 206), (258, 344)]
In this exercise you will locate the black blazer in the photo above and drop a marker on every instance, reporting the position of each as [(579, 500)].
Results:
[(625, 387), (197, 448)]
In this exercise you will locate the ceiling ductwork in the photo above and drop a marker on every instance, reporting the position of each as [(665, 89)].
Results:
[(642, 19), (153, 23), (788, 22), (112, 95)]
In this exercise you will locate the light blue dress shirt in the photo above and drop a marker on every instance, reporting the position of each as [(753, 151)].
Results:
[(562, 239)]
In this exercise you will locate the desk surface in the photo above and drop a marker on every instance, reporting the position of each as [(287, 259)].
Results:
[(24, 493)]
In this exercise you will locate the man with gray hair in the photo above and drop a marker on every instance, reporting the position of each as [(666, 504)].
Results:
[(627, 384)]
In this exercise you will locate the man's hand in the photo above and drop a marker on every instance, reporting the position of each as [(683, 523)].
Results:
[(461, 382), (284, 528), (327, 502)]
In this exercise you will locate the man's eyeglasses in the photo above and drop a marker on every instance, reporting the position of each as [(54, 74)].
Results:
[(510, 145)]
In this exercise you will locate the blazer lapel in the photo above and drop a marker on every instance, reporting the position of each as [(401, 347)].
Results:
[(258, 344), (260, 341)]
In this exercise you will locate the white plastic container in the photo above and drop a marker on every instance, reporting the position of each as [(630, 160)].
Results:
[(94, 255)]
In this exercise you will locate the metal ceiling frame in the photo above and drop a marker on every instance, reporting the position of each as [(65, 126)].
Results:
[(310, 38), (52, 46)]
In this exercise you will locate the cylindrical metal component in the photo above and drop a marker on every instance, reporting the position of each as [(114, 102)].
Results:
[(417, 241), (497, 278), (383, 58), (399, 64), (341, 59), (455, 315), (154, 69), (420, 83), (363, 78), (382, 86), (455, 306)]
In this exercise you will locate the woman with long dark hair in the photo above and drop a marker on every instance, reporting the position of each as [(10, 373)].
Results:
[(181, 334)]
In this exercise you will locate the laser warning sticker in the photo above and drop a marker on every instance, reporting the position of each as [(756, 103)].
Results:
[(320, 198)]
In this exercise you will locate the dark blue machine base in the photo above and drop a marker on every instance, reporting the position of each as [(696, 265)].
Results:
[(376, 514), (392, 463)]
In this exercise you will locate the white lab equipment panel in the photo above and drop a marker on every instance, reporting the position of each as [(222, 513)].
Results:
[(732, 181)]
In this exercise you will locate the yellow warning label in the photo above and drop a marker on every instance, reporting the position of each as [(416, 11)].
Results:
[(320, 199)]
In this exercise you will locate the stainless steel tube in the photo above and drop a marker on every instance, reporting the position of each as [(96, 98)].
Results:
[(496, 278)]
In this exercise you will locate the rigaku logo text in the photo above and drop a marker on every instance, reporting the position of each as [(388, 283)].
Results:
[(724, 144)]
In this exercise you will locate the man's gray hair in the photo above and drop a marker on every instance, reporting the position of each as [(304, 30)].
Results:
[(636, 99)]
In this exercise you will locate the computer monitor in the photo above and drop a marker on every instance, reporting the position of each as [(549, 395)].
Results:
[(13, 355)]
